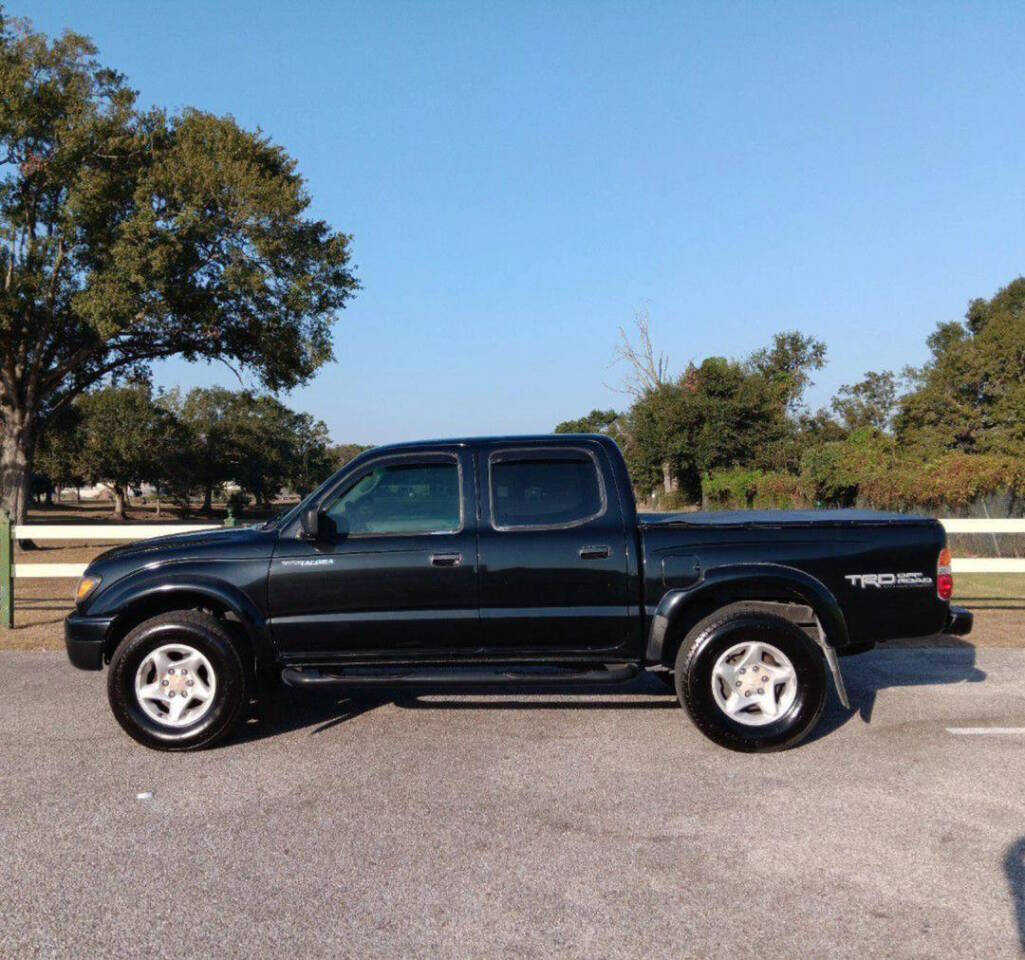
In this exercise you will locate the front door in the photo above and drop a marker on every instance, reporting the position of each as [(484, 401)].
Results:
[(398, 578), (553, 554)]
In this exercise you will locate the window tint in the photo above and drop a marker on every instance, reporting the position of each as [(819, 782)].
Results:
[(401, 498), (544, 491)]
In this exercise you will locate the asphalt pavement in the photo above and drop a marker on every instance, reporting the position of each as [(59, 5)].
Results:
[(589, 824)]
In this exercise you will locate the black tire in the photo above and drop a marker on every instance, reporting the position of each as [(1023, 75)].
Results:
[(713, 636), (204, 633)]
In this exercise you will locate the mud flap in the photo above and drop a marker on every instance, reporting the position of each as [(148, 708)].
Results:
[(834, 665)]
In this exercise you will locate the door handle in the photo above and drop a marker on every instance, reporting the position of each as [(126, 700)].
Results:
[(446, 559), (595, 551)]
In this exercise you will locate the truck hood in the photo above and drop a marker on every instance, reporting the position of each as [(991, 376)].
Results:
[(182, 546)]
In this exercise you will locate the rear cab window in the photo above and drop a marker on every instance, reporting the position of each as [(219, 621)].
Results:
[(534, 488)]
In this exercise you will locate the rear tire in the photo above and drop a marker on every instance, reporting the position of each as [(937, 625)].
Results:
[(176, 682), (751, 681)]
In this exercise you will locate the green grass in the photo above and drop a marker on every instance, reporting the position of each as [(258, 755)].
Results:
[(990, 590)]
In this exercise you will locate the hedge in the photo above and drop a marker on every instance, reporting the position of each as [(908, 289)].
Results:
[(740, 489), (871, 474)]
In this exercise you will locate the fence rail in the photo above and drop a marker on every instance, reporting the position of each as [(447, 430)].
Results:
[(972, 525), (985, 564), (105, 531), (90, 533), (10, 571)]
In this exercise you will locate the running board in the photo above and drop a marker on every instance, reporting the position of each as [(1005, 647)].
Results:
[(309, 677)]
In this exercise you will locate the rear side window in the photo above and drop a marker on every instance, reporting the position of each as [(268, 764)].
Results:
[(550, 489), (401, 498)]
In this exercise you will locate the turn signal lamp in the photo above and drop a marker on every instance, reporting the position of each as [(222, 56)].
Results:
[(85, 586), (944, 578)]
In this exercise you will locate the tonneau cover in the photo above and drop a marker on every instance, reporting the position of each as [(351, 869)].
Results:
[(782, 518)]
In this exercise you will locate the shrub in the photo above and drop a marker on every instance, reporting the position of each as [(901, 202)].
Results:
[(740, 489)]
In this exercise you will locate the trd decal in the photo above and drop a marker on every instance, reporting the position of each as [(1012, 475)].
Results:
[(885, 581)]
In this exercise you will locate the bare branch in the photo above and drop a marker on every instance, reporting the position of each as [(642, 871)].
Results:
[(648, 370)]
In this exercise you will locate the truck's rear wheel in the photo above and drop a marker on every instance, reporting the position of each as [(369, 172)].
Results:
[(176, 682), (751, 681)]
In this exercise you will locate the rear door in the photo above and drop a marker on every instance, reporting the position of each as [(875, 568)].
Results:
[(553, 553), (399, 576)]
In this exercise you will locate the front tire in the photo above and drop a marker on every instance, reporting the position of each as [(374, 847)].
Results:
[(176, 681), (751, 681)]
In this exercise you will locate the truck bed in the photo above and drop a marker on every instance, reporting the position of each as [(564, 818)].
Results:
[(837, 548)]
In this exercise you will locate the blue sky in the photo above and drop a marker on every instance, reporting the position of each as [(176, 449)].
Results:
[(522, 177)]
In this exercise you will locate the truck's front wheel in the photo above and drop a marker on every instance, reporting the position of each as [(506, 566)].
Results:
[(176, 682), (751, 681)]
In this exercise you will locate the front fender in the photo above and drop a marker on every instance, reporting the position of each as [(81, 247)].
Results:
[(749, 581), (157, 587)]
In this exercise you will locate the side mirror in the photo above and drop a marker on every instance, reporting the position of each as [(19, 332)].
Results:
[(310, 522)]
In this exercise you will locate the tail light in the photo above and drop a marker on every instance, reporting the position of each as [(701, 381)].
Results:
[(944, 578)]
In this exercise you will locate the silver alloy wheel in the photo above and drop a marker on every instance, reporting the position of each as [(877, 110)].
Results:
[(754, 683), (175, 685)]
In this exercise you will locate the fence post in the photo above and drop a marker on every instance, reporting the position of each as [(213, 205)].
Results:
[(6, 571)]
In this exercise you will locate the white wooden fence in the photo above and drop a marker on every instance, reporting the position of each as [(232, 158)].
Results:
[(108, 532), (91, 533), (104, 533), (985, 564)]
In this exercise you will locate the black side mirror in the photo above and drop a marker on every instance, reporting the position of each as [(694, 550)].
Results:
[(310, 521)]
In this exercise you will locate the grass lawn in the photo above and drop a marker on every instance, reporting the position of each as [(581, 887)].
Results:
[(990, 591)]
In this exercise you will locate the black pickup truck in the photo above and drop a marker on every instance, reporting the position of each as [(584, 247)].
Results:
[(510, 560)]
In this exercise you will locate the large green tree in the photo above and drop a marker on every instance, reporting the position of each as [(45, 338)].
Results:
[(340, 454), (597, 421), (274, 447), (871, 402), (970, 396), (126, 439), (129, 235), (58, 459), (310, 461), (719, 414), (204, 414), (787, 363)]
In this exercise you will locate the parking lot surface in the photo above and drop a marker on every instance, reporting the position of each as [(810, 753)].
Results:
[(596, 823)]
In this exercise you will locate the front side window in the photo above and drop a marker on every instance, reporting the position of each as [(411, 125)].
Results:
[(401, 498), (550, 490)]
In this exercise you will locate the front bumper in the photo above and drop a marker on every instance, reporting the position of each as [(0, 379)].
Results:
[(959, 622), (84, 638)]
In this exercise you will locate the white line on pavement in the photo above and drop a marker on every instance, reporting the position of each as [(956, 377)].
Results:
[(981, 731)]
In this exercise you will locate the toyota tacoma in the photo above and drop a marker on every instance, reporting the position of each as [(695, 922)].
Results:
[(510, 561)]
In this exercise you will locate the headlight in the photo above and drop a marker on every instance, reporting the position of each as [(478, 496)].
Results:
[(86, 585)]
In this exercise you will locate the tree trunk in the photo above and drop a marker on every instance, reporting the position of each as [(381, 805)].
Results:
[(208, 499), (120, 500), (669, 482), (17, 447)]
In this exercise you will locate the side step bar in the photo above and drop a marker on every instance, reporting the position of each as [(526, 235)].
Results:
[(310, 677)]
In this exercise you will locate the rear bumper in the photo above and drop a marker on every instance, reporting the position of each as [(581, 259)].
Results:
[(959, 622), (84, 638)]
